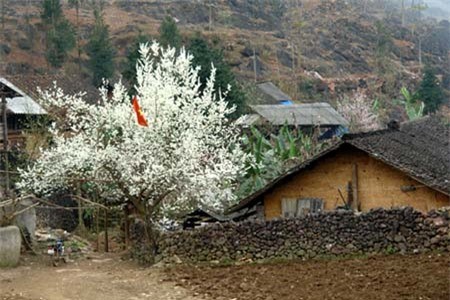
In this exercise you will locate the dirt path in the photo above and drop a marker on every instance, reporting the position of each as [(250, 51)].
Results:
[(105, 277)]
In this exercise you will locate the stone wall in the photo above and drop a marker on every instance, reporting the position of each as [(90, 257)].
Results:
[(26, 219), (330, 233), (58, 218)]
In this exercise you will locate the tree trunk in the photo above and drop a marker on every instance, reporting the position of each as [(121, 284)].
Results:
[(77, 8), (420, 51), (254, 65), (403, 12), (3, 16), (152, 237)]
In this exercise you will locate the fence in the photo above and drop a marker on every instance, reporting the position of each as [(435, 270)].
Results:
[(330, 233)]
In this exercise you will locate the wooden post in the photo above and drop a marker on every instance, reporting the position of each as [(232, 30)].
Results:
[(97, 231), (355, 185), (5, 143), (106, 231), (126, 226), (80, 228), (210, 17), (254, 65), (349, 194), (3, 16)]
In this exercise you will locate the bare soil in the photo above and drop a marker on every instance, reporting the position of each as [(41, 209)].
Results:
[(379, 277), (98, 278), (107, 277)]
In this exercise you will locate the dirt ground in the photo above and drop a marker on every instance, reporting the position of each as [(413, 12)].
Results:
[(98, 278), (101, 277), (379, 277)]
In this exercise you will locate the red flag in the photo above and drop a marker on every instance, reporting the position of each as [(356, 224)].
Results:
[(140, 116)]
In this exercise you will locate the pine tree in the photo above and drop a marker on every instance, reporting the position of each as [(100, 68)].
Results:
[(169, 35), (77, 4), (51, 12), (59, 32), (205, 57), (133, 56), (100, 51), (430, 91)]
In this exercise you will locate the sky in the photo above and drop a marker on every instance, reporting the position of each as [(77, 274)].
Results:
[(439, 8)]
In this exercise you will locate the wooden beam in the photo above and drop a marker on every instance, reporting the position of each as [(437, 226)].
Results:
[(126, 226), (355, 186), (106, 231), (5, 144), (349, 194)]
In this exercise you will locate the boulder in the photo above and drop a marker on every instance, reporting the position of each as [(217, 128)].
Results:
[(10, 242)]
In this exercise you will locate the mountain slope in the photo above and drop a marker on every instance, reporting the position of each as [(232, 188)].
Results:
[(314, 50)]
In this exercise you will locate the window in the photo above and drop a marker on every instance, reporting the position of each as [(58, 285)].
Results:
[(291, 208)]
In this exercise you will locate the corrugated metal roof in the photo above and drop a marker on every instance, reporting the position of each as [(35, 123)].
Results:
[(12, 87), (307, 114), (248, 120), (22, 104), (273, 91)]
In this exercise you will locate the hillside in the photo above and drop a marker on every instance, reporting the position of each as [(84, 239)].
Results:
[(314, 50)]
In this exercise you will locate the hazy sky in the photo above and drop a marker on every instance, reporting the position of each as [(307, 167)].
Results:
[(440, 8)]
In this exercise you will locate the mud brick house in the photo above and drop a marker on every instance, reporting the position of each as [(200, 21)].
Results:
[(407, 166)]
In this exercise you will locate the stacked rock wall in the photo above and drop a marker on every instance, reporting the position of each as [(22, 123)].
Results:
[(330, 233)]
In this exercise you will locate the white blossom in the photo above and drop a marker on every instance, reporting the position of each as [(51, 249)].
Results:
[(188, 155), (360, 111)]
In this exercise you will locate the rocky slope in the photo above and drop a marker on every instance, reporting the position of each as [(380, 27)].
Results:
[(315, 50)]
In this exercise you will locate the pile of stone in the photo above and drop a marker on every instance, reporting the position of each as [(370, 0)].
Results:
[(329, 233)]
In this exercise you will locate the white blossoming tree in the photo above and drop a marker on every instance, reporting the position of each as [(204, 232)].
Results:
[(186, 156), (360, 111)]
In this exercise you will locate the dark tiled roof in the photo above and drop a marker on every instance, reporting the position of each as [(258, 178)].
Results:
[(420, 149), (71, 84)]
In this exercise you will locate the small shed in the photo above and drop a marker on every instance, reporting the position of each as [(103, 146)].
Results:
[(19, 107), (306, 115), (406, 166), (271, 94), (201, 217)]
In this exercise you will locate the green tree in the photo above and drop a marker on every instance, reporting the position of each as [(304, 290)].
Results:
[(430, 91), (100, 51), (205, 57), (133, 55), (51, 12), (59, 32), (169, 35), (77, 4), (59, 42), (383, 47)]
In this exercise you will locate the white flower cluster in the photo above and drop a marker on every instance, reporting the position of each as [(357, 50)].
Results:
[(360, 111), (188, 154)]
